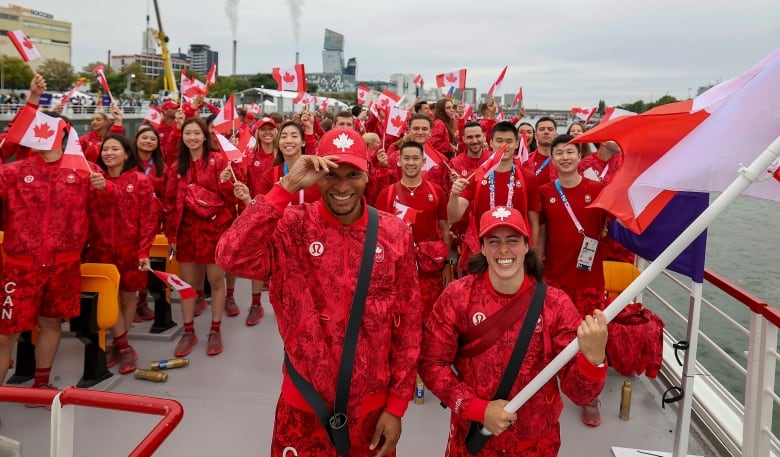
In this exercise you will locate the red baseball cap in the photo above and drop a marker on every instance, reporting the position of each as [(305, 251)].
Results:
[(347, 144), (169, 104), (265, 121), (502, 216)]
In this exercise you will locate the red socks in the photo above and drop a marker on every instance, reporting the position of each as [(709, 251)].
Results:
[(215, 326), (229, 292), (256, 299), (121, 341), (42, 376), (189, 327)]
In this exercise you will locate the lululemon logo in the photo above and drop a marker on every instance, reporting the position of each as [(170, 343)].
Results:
[(130, 188), (29, 178), (256, 163), (477, 318), (539, 325), (70, 179), (291, 450), (316, 249)]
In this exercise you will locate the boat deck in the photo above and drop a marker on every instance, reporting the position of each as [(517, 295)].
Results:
[(229, 402)]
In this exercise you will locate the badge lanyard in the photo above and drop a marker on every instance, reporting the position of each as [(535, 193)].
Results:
[(604, 173), (300, 192), (568, 207), (511, 192), (541, 167), (149, 167)]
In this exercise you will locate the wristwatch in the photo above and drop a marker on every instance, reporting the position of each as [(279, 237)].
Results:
[(450, 262)]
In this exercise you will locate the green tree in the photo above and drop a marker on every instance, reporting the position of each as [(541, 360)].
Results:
[(16, 74), (602, 107), (59, 75), (226, 85), (264, 80)]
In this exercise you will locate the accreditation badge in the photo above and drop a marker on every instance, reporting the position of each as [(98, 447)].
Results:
[(587, 253)]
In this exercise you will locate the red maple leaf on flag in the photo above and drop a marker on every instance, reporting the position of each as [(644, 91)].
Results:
[(43, 131), (384, 102), (452, 78), (27, 43), (289, 77), (153, 115), (397, 122), (175, 281)]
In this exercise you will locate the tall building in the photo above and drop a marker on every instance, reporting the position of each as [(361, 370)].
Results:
[(333, 53), (202, 57), (151, 64), (403, 85), (52, 38)]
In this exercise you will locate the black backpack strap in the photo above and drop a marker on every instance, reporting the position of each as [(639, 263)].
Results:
[(475, 440), (335, 422)]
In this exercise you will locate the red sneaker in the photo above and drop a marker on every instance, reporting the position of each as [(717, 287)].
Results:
[(214, 345), (127, 358), (231, 308), (255, 314), (186, 343), (200, 305), (112, 355), (41, 386), (591, 415)]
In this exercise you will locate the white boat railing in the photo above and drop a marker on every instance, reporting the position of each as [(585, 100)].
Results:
[(742, 428)]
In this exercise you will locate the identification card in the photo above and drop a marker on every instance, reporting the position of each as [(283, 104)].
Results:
[(587, 253)]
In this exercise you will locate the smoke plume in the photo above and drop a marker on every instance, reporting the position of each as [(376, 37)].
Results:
[(296, 11), (231, 9)]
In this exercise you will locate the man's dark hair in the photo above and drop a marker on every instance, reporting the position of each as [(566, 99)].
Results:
[(412, 144), (545, 118), (345, 114), (471, 124), (416, 116), (356, 110), (565, 138), (418, 106), (504, 126)]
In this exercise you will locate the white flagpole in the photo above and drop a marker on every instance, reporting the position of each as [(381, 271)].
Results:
[(747, 176)]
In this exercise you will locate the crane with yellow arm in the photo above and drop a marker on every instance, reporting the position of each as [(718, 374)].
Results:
[(169, 82)]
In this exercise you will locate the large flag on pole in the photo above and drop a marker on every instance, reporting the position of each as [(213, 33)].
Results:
[(456, 79), (291, 78)]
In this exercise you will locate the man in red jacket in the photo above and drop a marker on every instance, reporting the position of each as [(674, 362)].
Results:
[(45, 213), (312, 253)]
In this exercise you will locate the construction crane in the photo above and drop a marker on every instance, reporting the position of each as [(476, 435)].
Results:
[(169, 82)]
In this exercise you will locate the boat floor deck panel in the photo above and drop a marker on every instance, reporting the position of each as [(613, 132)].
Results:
[(229, 403)]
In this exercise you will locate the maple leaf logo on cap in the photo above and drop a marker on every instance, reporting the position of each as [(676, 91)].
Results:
[(501, 213), (343, 142)]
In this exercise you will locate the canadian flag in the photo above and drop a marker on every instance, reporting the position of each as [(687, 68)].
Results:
[(73, 157), (501, 117), (405, 213), (455, 79), (72, 91), (492, 162), (230, 150), (153, 116), (614, 113), (518, 97), (362, 94), (387, 99), (36, 130), (396, 121), (291, 78), (256, 109), (192, 87), (246, 144), (432, 157), (418, 81), (324, 105), (226, 117), (522, 152), (101, 76), (185, 290), (211, 77), (468, 111), (583, 113), (26, 49), (497, 85)]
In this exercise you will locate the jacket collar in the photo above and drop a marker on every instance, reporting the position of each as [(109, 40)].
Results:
[(362, 221)]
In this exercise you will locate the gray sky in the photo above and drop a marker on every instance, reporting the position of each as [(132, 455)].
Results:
[(563, 52)]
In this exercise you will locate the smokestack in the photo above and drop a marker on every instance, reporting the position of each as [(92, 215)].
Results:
[(297, 56), (234, 57)]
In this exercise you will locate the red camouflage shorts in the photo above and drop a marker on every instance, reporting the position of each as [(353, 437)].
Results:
[(547, 445), (126, 260), (53, 291), (300, 433), (197, 241)]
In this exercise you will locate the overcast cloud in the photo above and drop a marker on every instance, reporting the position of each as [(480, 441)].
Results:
[(563, 53)]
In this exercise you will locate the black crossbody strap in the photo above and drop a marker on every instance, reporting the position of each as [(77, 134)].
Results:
[(335, 422), (474, 438)]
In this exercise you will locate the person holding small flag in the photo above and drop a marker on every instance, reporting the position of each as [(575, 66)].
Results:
[(101, 126), (45, 213), (122, 230), (199, 208)]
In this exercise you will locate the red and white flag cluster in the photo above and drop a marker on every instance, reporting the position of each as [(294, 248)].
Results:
[(191, 87), (456, 79), (26, 49), (291, 78)]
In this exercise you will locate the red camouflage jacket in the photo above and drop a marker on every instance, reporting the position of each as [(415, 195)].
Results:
[(305, 245)]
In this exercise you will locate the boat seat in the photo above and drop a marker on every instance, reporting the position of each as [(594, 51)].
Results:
[(618, 276), (163, 319), (99, 312)]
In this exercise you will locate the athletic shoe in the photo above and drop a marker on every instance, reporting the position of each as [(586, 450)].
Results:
[(143, 313), (200, 305), (231, 308), (127, 358), (112, 355), (590, 414), (255, 314), (214, 345), (41, 386), (186, 343)]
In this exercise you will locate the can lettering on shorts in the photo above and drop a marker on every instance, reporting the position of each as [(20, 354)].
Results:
[(8, 303)]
